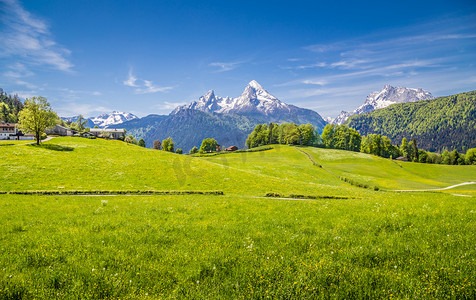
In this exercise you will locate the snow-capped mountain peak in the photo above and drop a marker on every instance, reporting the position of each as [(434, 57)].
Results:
[(254, 99), (114, 118), (385, 97)]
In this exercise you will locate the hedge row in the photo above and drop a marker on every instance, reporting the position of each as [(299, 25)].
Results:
[(276, 195), (106, 192), (358, 184)]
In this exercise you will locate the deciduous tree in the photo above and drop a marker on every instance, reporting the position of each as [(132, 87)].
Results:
[(36, 117)]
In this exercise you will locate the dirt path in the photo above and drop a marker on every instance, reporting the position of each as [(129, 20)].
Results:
[(441, 189)]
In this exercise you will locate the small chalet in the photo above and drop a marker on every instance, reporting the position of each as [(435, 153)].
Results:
[(114, 133), (60, 130), (401, 158), (231, 148)]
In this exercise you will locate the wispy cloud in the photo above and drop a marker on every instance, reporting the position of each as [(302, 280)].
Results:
[(131, 80), (73, 108), (167, 106), (225, 66), (27, 84), (150, 88), (28, 38), (143, 86)]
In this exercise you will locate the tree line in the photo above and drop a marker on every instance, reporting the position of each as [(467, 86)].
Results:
[(10, 107), (286, 133), (345, 138)]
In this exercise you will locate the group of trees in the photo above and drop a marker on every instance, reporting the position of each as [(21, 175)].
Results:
[(341, 137), (286, 133), (10, 107), (346, 138), (166, 145)]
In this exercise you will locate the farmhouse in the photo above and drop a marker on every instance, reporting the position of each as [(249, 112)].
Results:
[(8, 131), (231, 148), (60, 130), (113, 132)]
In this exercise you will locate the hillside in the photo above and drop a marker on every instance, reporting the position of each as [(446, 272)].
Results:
[(141, 127), (441, 123), (317, 237), (283, 169)]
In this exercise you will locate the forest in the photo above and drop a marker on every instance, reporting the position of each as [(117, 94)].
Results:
[(439, 124), (10, 106), (345, 138)]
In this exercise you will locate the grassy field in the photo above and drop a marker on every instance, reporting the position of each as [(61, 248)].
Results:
[(369, 244), (13, 142)]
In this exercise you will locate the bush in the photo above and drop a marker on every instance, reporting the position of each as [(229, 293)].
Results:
[(43, 136)]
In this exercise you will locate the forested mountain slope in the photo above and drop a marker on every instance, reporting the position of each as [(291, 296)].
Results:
[(445, 122)]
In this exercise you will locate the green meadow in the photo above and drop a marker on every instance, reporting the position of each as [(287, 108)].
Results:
[(321, 236)]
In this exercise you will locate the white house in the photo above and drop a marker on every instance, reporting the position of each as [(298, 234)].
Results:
[(9, 131)]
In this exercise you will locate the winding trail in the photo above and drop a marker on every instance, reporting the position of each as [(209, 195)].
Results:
[(441, 189)]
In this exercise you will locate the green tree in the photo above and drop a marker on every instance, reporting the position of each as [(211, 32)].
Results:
[(168, 145), (327, 135), (208, 145), (445, 157), (36, 117), (307, 134), (193, 150), (179, 151), (4, 112), (422, 156), (141, 143), (81, 123), (404, 148), (470, 156)]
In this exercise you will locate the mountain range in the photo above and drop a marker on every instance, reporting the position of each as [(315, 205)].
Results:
[(381, 99), (228, 120), (104, 120)]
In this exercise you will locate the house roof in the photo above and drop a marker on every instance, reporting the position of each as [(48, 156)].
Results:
[(7, 125), (231, 148)]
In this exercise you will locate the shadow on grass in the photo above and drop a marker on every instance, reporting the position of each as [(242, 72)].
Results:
[(53, 147), (1, 145)]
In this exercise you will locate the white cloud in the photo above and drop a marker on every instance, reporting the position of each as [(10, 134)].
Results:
[(150, 88), (28, 85), (73, 108), (25, 94), (167, 106), (131, 80), (224, 66), (28, 38), (146, 87)]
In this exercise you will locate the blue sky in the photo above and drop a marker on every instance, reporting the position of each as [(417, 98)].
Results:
[(146, 57)]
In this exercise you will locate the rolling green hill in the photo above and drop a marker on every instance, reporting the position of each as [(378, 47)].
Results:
[(344, 242), (437, 124)]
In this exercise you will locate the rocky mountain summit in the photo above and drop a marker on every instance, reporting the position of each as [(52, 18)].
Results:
[(387, 96)]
